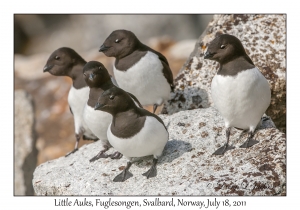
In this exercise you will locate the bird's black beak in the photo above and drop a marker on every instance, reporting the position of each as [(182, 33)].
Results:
[(91, 77), (208, 55), (47, 68), (103, 48), (99, 106)]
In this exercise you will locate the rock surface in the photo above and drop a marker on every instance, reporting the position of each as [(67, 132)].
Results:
[(25, 140), (264, 38), (187, 166)]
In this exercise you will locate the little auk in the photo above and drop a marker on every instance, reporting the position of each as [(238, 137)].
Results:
[(98, 79), (139, 69), (134, 131), (66, 62), (239, 90)]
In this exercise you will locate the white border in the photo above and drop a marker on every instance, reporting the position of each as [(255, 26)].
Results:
[(8, 201)]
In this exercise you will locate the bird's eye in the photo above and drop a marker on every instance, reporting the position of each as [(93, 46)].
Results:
[(100, 68), (222, 46), (111, 97), (117, 41), (57, 57)]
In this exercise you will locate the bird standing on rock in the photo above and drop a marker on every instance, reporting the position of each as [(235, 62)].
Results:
[(98, 79), (139, 69), (66, 62), (134, 131), (239, 90)]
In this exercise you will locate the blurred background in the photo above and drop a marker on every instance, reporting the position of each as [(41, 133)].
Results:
[(37, 36), (43, 33)]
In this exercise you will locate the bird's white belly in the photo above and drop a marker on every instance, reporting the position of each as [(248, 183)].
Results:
[(241, 99), (151, 140), (97, 121), (145, 80)]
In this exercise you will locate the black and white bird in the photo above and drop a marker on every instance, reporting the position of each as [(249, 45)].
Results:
[(98, 79), (134, 131), (239, 90), (66, 62), (139, 69)]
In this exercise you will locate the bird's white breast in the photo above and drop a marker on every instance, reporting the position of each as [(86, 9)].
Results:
[(97, 121), (145, 80), (77, 99), (150, 140), (241, 99)]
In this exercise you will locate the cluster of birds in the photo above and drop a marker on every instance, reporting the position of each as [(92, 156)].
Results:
[(111, 109)]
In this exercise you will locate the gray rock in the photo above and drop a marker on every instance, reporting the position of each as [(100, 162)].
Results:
[(264, 38), (187, 166), (25, 139)]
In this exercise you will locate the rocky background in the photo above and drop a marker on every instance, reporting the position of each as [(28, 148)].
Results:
[(37, 36), (264, 39), (25, 140)]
